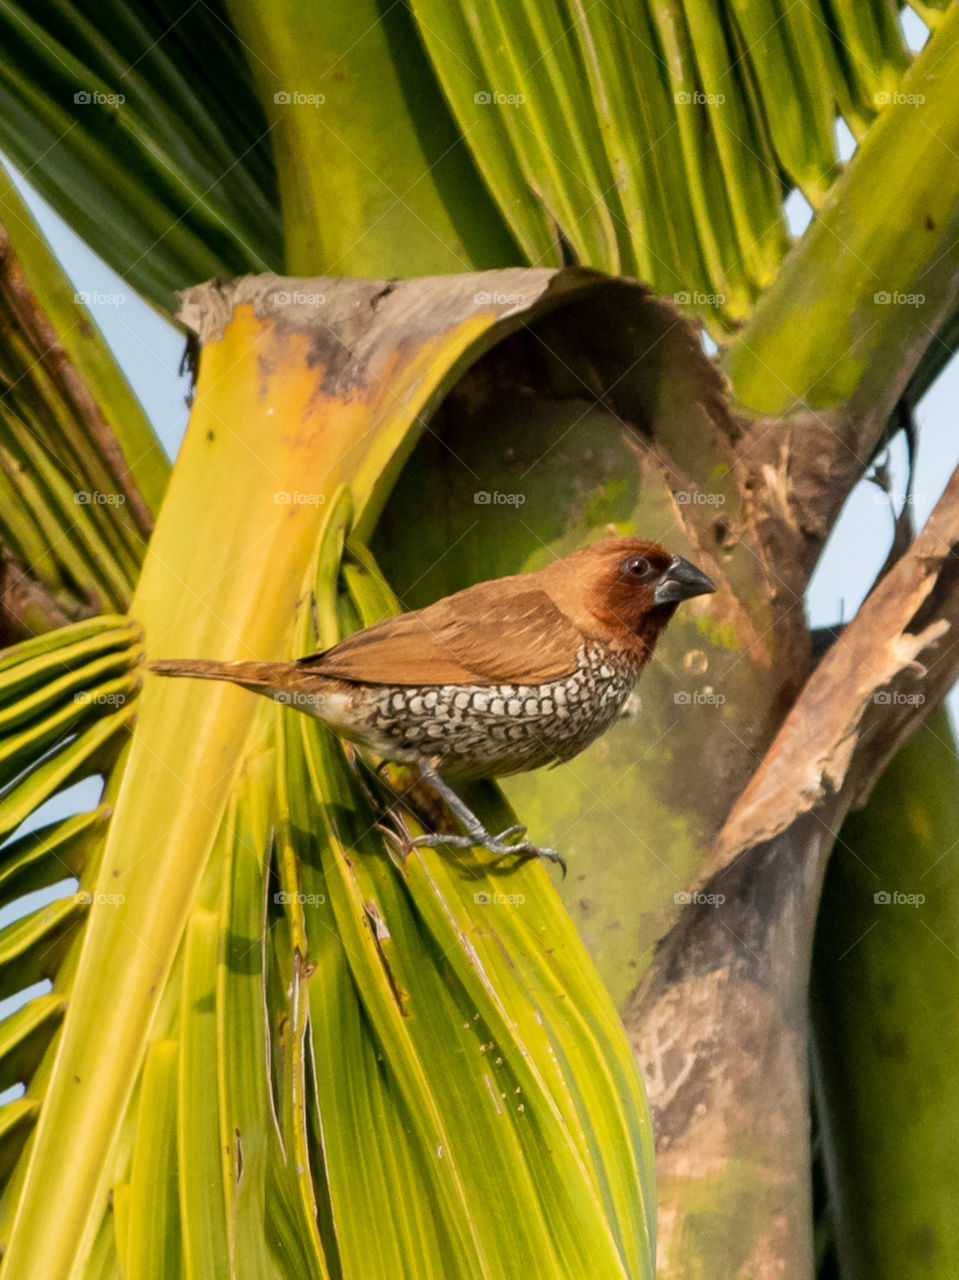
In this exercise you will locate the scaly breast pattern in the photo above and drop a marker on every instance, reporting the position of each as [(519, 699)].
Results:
[(481, 731)]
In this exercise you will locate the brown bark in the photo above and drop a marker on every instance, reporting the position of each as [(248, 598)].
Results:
[(719, 1019), (26, 607)]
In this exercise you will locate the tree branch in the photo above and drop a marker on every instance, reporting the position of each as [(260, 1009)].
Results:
[(872, 689), (719, 1020)]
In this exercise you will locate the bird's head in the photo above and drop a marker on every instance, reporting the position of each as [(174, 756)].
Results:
[(626, 587)]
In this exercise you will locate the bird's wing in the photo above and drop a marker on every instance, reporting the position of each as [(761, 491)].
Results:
[(477, 636)]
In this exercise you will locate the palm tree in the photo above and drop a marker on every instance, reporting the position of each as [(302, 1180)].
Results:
[(270, 1045)]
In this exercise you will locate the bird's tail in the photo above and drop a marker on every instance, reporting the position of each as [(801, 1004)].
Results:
[(252, 675)]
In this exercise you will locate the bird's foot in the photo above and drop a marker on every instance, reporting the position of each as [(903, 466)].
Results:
[(500, 845), (477, 836)]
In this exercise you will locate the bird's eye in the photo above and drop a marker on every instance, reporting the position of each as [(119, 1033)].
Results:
[(638, 568)]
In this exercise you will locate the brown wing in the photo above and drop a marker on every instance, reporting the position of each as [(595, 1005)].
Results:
[(483, 635)]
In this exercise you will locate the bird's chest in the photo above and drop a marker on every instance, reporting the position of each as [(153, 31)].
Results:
[(494, 730)]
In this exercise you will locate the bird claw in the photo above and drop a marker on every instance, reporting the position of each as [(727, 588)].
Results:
[(477, 836), (493, 844)]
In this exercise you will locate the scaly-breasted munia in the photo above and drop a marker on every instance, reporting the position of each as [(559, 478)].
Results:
[(502, 677)]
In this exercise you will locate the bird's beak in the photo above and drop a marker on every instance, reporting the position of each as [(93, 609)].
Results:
[(681, 581)]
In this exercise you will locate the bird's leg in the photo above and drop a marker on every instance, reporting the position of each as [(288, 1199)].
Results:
[(477, 835)]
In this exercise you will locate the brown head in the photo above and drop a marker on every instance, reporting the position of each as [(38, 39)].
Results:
[(625, 589)]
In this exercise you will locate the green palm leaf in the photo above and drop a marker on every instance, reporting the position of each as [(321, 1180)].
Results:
[(96, 107), (303, 1024), (265, 1028)]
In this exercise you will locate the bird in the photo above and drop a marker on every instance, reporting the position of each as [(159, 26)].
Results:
[(499, 678)]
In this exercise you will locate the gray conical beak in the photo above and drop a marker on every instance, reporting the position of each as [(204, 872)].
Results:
[(681, 581)]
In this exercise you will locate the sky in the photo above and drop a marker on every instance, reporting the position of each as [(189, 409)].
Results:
[(149, 350)]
